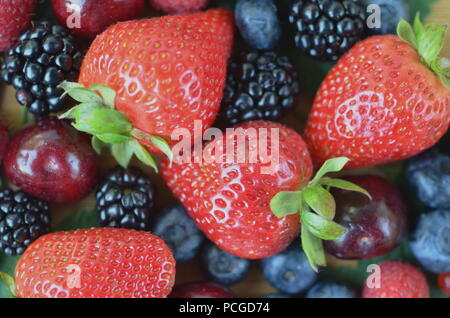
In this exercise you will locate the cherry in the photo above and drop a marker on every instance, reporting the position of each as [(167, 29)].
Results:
[(374, 227), (4, 139), (202, 290), (52, 161), (444, 283), (95, 15)]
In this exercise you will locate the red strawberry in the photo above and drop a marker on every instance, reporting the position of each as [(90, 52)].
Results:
[(232, 201), (15, 16), (201, 290), (385, 100), (96, 263), (178, 6), (397, 280), (167, 72)]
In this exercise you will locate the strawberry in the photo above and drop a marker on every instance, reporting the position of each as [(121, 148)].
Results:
[(397, 280), (387, 99), (15, 16), (96, 263), (178, 6), (232, 201), (165, 72)]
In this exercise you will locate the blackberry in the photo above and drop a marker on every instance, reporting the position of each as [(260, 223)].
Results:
[(125, 199), (326, 29), (23, 218), (45, 56), (260, 85)]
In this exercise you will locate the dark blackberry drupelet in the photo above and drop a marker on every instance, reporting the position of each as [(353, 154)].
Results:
[(125, 199), (45, 56), (23, 218), (326, 29), (260, 85)]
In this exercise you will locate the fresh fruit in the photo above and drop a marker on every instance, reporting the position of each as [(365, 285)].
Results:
[(222, 267), (94, 15), (249, 203), (178, 6), (397, 280), (374, 226), (168, 73), (289, 271), (15, 16), (260, 85), (274, 295), (23, 219), (4, 140), (330, 289), (258, 23), (201, 290), (444, 283), (327, 29), (383, 101), (51, 161), (96, 263), (125, 199), (179, 231), (430, 241), (429, 176), (45, 56), (391, 12)]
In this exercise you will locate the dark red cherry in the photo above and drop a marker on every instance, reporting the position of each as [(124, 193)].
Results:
[(88, 18), (4, 139), (202, 290), (374, 227), (52, 161)]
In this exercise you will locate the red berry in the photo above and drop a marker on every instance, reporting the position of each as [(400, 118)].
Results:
[(178, 6), (15, 17), (202, 290), (230, 202), (105, 262), (380, 103), (4, 139), (398, 280), (52, 161), (444, 282), (95, 15), (374, 226)]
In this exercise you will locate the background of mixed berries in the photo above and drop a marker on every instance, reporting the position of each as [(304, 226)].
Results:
[(82, 214)]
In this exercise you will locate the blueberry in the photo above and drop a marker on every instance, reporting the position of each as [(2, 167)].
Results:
[(330, 289), (179, 232), (430, 242), (258, 23), (223, 267), (429, 176), (391, 13), (289, 271)]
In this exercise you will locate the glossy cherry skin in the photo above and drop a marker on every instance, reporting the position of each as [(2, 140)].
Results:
[(52, 161), (4, 140), (444, 283), (374, 227), (202, 290), (95, 15)]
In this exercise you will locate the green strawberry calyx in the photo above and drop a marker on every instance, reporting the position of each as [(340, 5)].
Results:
[(97, 116), (428, 40), (9, 281), (316, 207)]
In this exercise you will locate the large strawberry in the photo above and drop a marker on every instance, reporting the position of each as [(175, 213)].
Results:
[(387, 99), (15, 16), (166, 72), (96, 263), (231, 188)]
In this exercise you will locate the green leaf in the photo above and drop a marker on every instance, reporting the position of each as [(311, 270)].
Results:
[(406, 33), (122, 153), (344, 184), (9, 281), (321, 227), (82, 220), (320, 200), (286, 203), (108, 94), (114, 138), (66, 86), (7, 265), (97, 144), (313, 248), (162, 145), (142, 154), (84, 95), (331, 165), (98, 121)]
